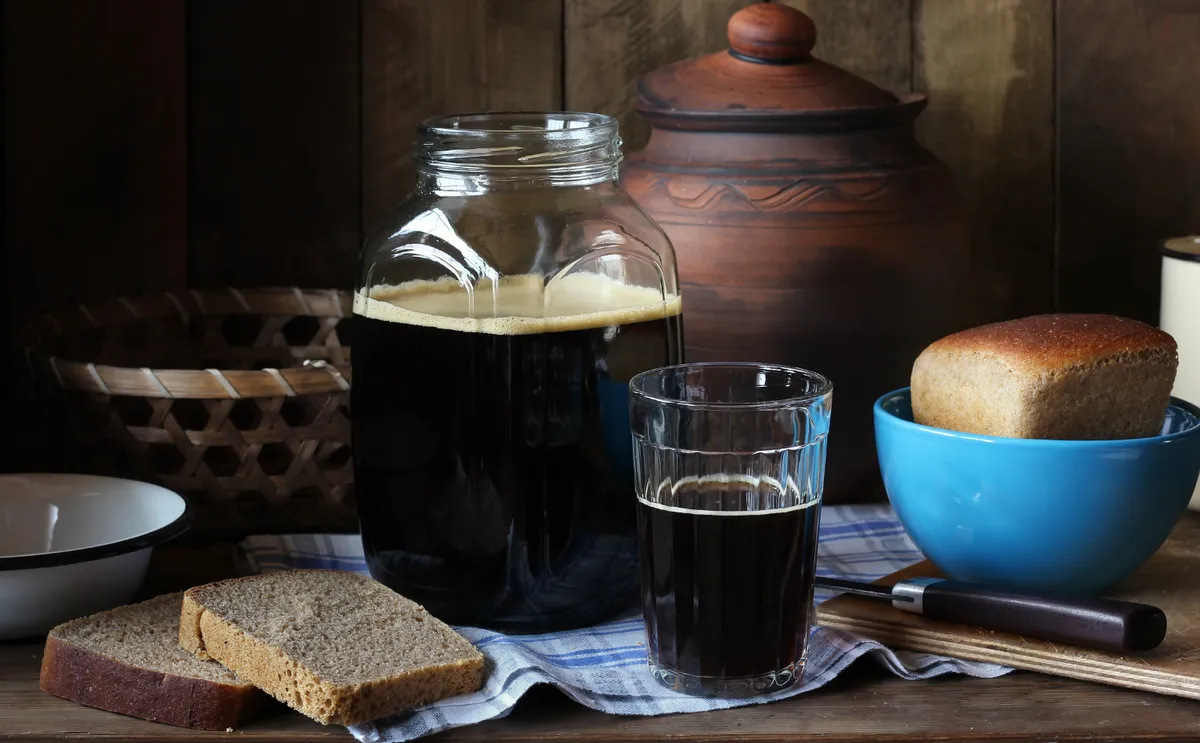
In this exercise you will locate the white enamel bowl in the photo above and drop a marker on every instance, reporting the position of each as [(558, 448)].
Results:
[(72, 545)]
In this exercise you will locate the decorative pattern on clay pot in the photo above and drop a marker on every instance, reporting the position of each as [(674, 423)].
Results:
[(810, 227)]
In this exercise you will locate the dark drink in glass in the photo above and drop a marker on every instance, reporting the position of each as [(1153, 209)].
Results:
[(729, 464), (755, 565)]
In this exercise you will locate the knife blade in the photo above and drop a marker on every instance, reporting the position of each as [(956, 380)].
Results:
[(1098, 623)]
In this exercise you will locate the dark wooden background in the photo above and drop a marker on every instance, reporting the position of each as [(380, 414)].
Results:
[(165, 144)]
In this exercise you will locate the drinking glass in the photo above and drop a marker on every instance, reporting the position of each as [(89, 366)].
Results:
[(729, 465)]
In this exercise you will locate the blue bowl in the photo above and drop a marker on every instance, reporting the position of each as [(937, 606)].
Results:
[(1068, 517)]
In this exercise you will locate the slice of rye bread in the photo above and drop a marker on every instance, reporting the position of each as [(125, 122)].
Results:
[(128, 660), (336, 646)]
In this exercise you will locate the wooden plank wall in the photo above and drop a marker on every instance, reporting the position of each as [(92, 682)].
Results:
[(273, 142), (155, 144), (987, 67), (95, 150), (610, 43), (1128, 147), (425, 59), (95, 164)]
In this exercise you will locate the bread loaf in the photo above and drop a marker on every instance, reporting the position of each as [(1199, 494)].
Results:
[(1048, 377), (128, 660), (336, 646)]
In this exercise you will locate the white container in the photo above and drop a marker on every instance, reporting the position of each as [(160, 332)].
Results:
[(72, 545), (1179, 315)]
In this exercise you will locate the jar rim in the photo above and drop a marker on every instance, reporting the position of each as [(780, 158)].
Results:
[(510, 123), (572, 148)]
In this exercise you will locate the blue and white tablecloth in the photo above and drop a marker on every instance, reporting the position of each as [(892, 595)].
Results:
[(604, 667)]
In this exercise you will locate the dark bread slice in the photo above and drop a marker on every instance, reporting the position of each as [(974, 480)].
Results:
[(333, 645), (128, 660)]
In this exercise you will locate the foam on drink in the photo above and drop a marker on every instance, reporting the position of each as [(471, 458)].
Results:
[(517, 305)]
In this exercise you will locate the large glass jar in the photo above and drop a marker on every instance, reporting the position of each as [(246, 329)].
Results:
[(499, 315)]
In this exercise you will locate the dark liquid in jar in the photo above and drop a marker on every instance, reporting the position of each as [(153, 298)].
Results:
[(726, 594), (493, 463)]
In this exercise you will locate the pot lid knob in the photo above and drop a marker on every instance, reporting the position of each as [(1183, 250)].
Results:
[(772, 34)]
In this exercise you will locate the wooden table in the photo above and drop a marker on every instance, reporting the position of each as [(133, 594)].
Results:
[(864, 704)]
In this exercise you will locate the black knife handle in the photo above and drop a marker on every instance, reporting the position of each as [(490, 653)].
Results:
[(1102, 624)]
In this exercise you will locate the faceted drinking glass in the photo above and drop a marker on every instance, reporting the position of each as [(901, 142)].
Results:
[(729, 466)]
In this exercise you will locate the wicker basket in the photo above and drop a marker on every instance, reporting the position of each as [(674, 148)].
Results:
[(236, 399)]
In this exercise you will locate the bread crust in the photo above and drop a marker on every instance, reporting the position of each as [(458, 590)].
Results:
[(271, 669), (95, 680), (1051, 343), (1048, 377)]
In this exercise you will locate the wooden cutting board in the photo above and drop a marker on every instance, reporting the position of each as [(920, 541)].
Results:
[(1170, 580)]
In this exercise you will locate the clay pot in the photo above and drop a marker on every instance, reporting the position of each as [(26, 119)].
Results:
[(811, 228)]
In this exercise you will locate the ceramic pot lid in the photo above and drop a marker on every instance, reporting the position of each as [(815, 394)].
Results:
[(767, 74)]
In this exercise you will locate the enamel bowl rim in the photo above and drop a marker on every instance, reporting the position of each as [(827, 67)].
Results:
[(132, 543), (1076, 444)]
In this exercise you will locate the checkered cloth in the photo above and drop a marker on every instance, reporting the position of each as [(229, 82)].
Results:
[(604, 667)]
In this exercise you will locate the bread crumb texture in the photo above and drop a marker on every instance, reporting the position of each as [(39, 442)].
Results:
[(336, 646), (1058, 376)]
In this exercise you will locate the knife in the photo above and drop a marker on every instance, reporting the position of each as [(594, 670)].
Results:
[(1098, 623)]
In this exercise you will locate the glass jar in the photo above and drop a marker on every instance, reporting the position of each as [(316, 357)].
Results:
[(499, 315)]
